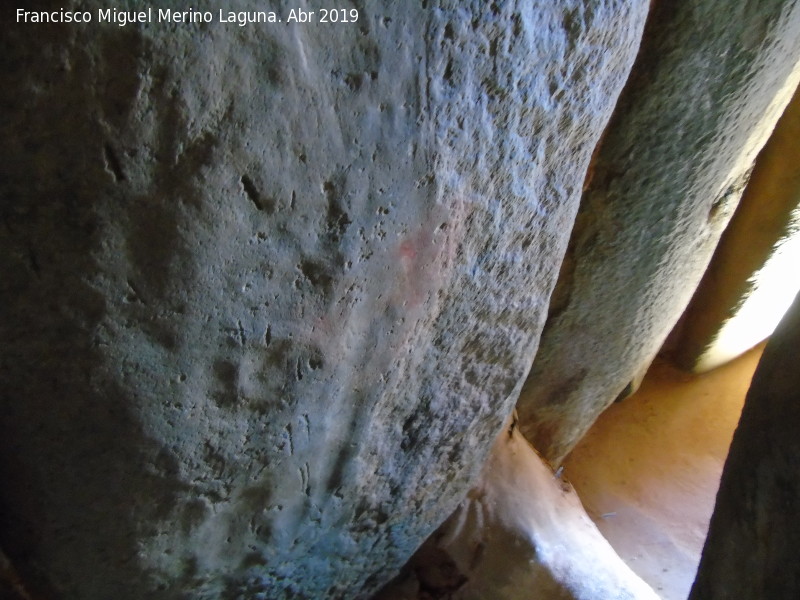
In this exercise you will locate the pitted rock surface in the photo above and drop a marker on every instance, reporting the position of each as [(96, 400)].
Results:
[(270, 291), (710, 82), (751, 280)]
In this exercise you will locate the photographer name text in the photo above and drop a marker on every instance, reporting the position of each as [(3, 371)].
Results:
[(167, 15)]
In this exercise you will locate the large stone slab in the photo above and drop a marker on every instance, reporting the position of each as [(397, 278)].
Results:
[(753, 276), (751, 550), (710, 82), (270, 291)]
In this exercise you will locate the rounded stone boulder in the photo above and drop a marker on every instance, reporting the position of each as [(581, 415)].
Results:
[(271, 289), (710, 82)]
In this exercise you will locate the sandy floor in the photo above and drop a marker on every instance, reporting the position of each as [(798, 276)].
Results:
[(519, 533), (649, 469)]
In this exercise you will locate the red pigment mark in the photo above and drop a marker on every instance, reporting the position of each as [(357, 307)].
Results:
[(407, 250), (421, 260)]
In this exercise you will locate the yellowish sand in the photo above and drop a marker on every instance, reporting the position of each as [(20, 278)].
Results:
[(648, 471)]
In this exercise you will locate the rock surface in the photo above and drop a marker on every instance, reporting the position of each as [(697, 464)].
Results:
[(751, 550), (270, 291), (753, 276), (710, 82), (11, 587), (521, 533)]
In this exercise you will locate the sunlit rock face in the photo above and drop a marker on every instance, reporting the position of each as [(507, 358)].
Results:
[(753, 276), (751, 550), (709, 84), (270, 291)]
